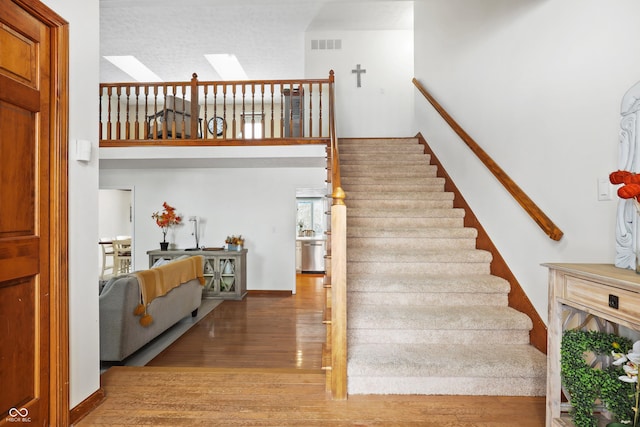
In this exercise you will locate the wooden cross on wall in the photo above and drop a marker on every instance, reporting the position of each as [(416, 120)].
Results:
[(357, 72)]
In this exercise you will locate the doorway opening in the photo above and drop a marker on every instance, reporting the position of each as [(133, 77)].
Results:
[(115, 227), (311, 226)]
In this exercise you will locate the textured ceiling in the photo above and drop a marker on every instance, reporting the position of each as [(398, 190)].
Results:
[(267, 36)]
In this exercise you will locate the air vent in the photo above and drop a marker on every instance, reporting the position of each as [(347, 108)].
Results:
[(329, 44)]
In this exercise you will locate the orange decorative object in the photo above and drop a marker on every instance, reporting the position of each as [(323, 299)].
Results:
[(166, 219), (618, 176), (630, 184), (629, 191)]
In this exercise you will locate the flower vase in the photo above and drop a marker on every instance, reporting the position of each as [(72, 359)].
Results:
[(164, 246)]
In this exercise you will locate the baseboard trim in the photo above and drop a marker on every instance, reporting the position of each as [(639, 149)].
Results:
[(86, 406)]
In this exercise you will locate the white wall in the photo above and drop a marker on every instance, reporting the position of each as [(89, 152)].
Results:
[(115, 213), (383, 105), (83, 18), (538, 85), (258, 203)]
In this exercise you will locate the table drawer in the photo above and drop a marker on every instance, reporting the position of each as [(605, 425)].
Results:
[(598, 297)]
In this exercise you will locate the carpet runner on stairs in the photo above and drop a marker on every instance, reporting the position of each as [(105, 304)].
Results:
[(425, 316)]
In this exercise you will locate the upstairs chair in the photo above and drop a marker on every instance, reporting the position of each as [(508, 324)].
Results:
[(108, 264), (122, 256)]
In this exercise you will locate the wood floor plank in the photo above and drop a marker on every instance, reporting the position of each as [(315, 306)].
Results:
[(257, 363)]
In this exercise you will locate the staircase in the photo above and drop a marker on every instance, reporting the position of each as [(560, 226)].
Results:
[(425, 316)]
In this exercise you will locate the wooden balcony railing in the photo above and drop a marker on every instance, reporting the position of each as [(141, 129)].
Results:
[(516, 192), (256, 112)]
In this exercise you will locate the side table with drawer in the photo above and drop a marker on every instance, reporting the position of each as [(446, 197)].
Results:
[(603, 291)]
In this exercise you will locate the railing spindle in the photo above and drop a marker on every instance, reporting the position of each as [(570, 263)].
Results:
[(272, 121), (320, 111), (136, 126), (118, 123), (100, 111), (233, 107), (262, 107), (127, 131), (310, 110)]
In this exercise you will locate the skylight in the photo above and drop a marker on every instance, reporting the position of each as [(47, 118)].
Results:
[(136, 69), (227, 66)]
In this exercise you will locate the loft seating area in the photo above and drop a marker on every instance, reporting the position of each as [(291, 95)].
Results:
[(255, 112)]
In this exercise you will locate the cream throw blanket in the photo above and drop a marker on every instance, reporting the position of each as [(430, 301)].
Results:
[(158, 281)]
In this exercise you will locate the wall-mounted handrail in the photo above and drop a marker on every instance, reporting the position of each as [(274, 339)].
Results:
[(516, 192)]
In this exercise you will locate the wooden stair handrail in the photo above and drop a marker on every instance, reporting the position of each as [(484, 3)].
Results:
[(516, 192), (335, 155)]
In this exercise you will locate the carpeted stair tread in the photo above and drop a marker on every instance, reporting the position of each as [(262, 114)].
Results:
[(411, 256), (400, 195), (437, 336), (404, 289), (347, 159), (426, 180), (362, 141), (377, 149), (403, 282), (385, 212), (388, 316), (456, 360), (436, 185), (441, 299), (440, 268), (403, 222), (413, 243), (416, 238), (400, 203), (386, 171), (409, 233), (472, 369)]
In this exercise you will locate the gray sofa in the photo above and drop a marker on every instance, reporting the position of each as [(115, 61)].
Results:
[(121, 333)]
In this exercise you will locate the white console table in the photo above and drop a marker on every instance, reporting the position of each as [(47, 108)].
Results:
[(604, 291), (225, 272)]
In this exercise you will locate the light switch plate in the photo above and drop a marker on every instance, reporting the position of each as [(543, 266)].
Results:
[(604, 189)]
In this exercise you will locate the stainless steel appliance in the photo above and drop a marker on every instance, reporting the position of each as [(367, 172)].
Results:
[(313, 256)]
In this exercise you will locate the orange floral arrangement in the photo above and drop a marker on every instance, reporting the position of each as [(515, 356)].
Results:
[(166, 219), (630, 181)]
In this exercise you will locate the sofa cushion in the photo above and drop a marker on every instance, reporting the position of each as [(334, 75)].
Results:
[(107, 285)]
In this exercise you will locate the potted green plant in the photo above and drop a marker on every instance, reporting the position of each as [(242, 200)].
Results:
[(587, 384)]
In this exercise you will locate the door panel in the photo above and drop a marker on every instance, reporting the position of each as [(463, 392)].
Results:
[(24, 220)]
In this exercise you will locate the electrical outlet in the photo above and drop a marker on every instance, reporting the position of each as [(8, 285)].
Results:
[(613, 301)]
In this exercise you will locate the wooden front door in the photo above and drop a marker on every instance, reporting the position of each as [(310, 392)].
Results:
[(29, 240)]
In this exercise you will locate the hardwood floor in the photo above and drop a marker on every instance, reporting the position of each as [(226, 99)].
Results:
[(261, 331), (257, 363)]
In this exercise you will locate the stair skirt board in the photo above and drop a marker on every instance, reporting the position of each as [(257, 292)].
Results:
[(425, 315)]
